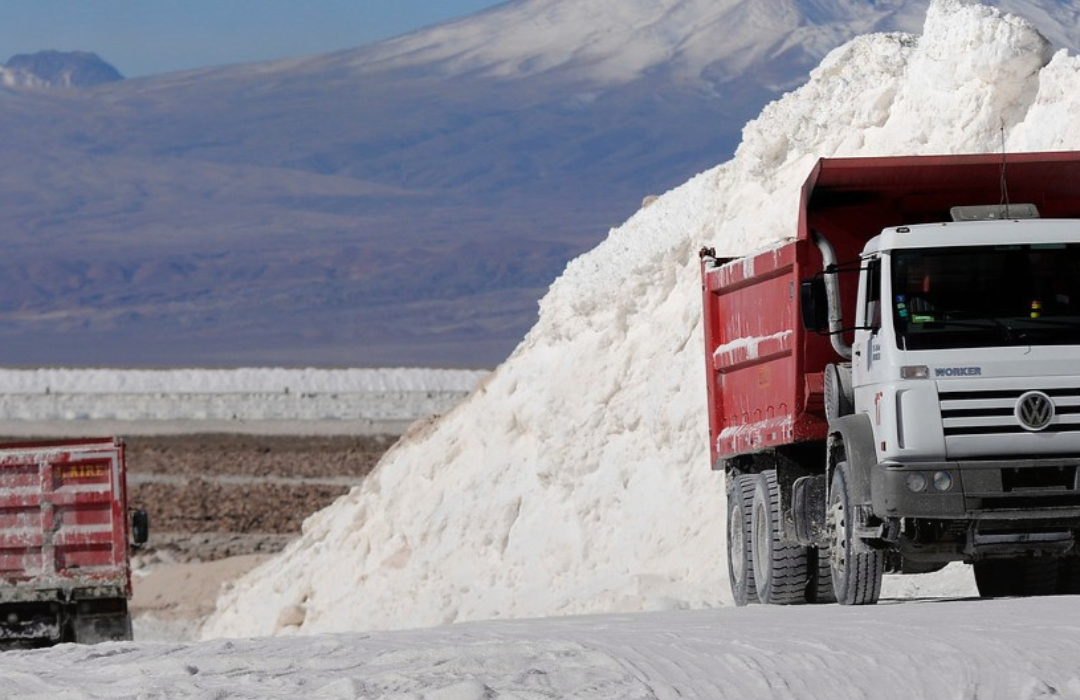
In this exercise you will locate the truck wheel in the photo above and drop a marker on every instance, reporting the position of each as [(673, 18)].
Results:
[(740, 561), (820, 588), (1069, 580), (857, 569), (780, 572), (997, 578), (1040, 576)]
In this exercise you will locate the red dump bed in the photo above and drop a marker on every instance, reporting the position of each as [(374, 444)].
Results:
[(764, 371), (63, 518)]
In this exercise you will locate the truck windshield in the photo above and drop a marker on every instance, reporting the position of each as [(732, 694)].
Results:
[(967, 297)]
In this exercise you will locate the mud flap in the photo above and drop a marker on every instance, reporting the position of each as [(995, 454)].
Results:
[(857, 436), (97, 621), (809, 500)]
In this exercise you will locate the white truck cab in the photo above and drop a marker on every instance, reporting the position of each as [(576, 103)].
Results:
[(966, 361), (897, 386)]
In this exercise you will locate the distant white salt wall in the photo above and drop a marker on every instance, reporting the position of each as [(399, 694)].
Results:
[(238, 395), (229, 381)]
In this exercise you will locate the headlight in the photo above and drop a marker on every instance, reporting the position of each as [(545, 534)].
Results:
[(943, 481), (916, 482)]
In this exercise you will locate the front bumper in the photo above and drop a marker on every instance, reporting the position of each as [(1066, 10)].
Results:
[(1046, 491)]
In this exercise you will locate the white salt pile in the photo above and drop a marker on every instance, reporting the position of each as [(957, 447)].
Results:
[(577, 478)]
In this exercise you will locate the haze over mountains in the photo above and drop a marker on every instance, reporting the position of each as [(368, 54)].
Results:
[(404, 203)]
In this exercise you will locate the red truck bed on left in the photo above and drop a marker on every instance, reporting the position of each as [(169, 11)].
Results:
[(64, 540)]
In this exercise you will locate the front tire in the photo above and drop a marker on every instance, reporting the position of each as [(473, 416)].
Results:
[(857, 569), (740, 561), (780, 570)]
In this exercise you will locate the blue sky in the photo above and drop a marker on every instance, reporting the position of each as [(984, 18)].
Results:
[(142, 37)]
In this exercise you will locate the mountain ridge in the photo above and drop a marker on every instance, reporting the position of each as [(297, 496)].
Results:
[(58, 69), (343, 210)]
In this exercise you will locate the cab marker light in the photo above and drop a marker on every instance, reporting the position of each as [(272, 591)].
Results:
[(914, 372)]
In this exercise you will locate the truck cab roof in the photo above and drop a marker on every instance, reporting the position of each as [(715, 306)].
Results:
[(1046, 232)]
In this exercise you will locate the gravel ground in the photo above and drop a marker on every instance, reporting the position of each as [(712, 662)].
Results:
[(212, 496), (220, 503)]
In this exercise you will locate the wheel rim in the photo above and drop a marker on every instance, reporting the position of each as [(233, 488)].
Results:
[(838, 551), (736, 544), (761, 533)]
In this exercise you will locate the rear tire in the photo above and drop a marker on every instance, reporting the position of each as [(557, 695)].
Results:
[(780, 571), (740, 560), (856, 568), (998, 578), (820, 588), (1069, 577), (994, 578)]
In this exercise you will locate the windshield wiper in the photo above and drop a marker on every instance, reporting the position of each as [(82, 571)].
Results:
[(983, 324), (1056, 321)]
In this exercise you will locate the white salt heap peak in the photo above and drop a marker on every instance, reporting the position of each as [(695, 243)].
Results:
[(577, 478)]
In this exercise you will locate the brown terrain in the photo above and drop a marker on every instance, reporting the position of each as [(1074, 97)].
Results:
[(214, 496)]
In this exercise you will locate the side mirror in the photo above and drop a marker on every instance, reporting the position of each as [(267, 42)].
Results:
[(814, 304), (140, 528)]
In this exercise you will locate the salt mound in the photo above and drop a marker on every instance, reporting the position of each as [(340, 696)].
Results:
[(576, 479)]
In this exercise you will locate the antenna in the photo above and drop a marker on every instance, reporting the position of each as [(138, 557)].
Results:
[(1004, 180)]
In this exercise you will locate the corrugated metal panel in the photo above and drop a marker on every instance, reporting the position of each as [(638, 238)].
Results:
[(62, 516)]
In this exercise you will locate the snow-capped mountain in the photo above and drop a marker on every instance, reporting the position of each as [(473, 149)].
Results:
[(406, 202), (709, 42), (609, 42), (65, 69)]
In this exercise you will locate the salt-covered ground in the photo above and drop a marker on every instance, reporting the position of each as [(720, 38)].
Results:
[(931, 649), (576, 479)]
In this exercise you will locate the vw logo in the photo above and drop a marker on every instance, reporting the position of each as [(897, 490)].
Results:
[(1034, 410)]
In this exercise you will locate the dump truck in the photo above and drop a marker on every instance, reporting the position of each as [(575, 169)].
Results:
[(66, 535), (897, 387)]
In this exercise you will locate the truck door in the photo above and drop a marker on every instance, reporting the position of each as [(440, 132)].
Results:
[(868, 371)]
